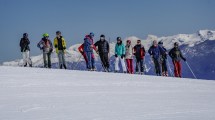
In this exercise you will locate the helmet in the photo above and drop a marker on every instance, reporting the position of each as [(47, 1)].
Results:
[(128, 41), (58, 32), (45, 35), (118, 38), (92, 34), (102, 35), (25, 35), (160, 43)]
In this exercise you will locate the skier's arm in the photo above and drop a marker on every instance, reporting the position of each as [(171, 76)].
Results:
[(55, 43), (171, 53), (39, 45), (64, 41), (150, 51), (108, 47)]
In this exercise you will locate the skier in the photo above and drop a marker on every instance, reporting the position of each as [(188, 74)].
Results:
[(139, 52), (60, 47), (25, 49), (103, 51), (155, 51), (88, 50), (129, 56), (120, 55), (176, 55), (46, 45), (163, 59)]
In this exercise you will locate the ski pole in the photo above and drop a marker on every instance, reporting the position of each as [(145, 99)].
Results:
[(191, 70), (77, 62)]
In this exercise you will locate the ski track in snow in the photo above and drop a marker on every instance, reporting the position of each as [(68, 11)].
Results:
[(51, 94)]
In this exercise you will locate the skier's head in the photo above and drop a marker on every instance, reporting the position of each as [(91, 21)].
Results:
[(46, 35), (160, 44), (25, 35), (102, 37), (119, 40), (58, 34), (128, 42), (92, 34), (138, 42), (155, 43), (176, 44)]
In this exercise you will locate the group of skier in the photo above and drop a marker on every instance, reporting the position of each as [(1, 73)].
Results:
[(123, 54)]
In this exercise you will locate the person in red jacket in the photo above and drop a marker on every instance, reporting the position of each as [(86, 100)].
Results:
[(139, 52)]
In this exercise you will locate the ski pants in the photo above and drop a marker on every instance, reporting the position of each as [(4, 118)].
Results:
[(61, 58), (157, 66), (26, 58), (47, 59), (139, 64), (105, 60), (91, 60), (130, 66), (122, 60), (177, 68), (164, 65), (85, 58)]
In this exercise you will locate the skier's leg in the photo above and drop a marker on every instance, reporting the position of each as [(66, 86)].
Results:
[(64, 60), (93, 61), (24, 59), (179, 69), (141, 66), (128, 65), (131, 66), (117, 64), (28, 58), (123, 64), (137, 65), (106, 59), (45, 59), (85, 58), (165, 67), (60, 59), (88, 55), (102, 59), (49, 60), (175, 68)]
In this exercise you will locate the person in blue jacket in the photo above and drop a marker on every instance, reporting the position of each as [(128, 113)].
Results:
[(155, 52), (88, 50), (120, 55)]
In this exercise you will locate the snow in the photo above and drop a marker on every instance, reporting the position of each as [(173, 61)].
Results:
[(51, 94)]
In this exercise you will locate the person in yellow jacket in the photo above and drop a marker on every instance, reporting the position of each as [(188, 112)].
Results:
[(60, 47)]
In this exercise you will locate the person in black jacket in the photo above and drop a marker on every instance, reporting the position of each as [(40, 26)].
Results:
[(103, 51), (163, 59), (25, 49), (176, 55)]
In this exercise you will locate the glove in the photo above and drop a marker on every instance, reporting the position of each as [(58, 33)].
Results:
[(41, 48), (97, 51), (116, 55), (51, 50), (185, 59), (122, 56), (56, 46), (82, 52), (64, 48)]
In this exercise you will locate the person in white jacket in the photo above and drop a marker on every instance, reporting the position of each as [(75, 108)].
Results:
[(129, 56)]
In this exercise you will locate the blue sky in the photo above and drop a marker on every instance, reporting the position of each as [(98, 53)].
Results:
[(76, 18)]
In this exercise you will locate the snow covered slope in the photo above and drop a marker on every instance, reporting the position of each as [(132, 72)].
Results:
[(51, 94), (198, 48)]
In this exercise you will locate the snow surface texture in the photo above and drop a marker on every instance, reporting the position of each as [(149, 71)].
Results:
[(51, 94), (198, 48)]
